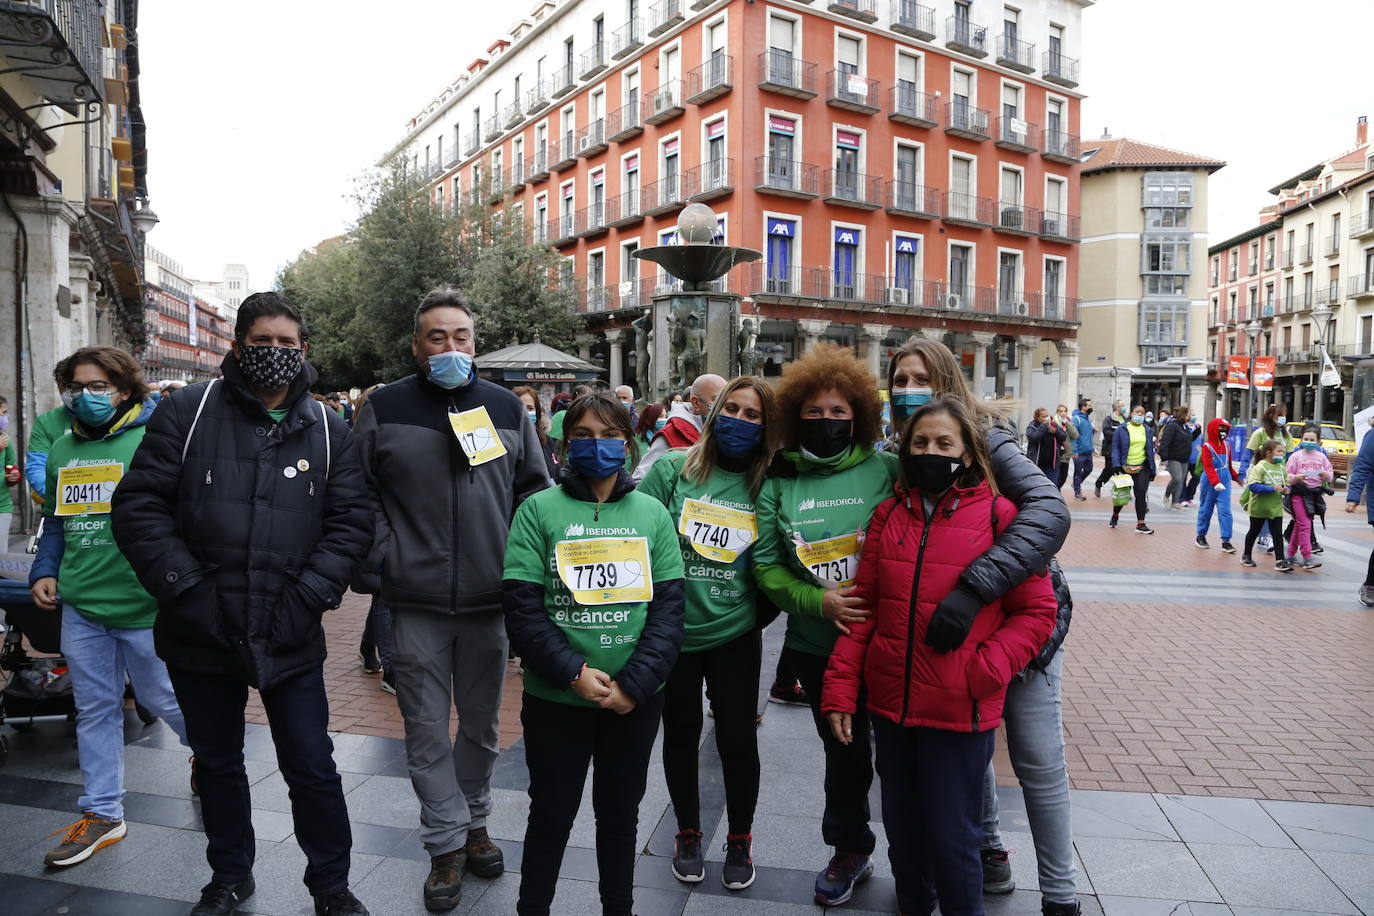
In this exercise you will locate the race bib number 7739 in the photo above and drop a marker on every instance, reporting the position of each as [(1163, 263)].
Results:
[(605, 570)]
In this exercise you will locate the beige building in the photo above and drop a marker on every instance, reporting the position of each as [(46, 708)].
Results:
[(1142, 272)]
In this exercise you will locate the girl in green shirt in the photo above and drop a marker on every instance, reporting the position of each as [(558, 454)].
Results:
[(1273, 425), (710, 491), (1265, 486)]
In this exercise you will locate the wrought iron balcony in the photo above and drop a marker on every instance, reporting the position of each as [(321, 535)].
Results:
[(710, 80), (1362, 224), (590, 221), (784, 74), (911, 106), (1059, 227), (563, 81), (512, 115), (625, 209), (862, 10), (661, 196), (852, 92), (492, 129), (593, 61), (911, 18), (664, 103), (663, 15), (625, 122), (453, 157), (1016, 134), (629, 37), (1305, 253), (537, 166), (1059, 68), (472, 142), (968, 210), (853, 189), (905, 198), (966, 37), (515, 175), (537, 98), (963, 120), (1015, 54), (1288, 259), (592, 138), (1360, 286), (496, 187), (1061, 147), (1328, 295), (1018, 219), (709, 180), (1332, 247), (787, 177), (1254, 267), (55, 46), (560, 231), (563, 153)]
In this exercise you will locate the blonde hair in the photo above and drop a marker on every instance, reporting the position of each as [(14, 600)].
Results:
[(701, 457)]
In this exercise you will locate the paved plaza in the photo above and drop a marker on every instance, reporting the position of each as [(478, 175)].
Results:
[(1220, 724)]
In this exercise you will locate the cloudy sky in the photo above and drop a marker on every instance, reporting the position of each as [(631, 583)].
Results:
[(262, 113)]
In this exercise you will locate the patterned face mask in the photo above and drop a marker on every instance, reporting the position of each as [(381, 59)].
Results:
[(269, 368)]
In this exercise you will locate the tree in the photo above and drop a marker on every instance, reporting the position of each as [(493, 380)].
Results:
[(515, 291)]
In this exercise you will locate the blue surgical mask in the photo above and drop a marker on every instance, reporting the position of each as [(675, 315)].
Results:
[(735, 437), (906, 400), (1282, 421), (596, 458), (629, 405), (450, 369), (1137, 419), (4, 422), (1310, 445), (534, 417), (90, 409), (660, 423)]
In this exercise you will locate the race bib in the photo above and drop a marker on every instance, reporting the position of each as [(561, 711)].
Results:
[(87, 490), (834, 561), (716, 532), (605, 570), (477, 435)]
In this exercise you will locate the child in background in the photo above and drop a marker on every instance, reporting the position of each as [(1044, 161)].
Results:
[(1308, 472), (1265, 486)]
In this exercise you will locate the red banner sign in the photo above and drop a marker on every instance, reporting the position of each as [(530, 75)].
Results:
[(1237, 372), (1264, 373)]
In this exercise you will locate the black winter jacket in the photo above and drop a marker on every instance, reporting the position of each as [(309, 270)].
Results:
[(1175, 443), (248, 540)]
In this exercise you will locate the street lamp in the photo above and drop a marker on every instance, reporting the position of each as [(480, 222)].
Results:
[(1251, 331), (144, 219), (1048, 366), (1321, 317)]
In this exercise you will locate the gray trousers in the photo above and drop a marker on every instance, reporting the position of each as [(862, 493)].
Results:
[(446, 662)]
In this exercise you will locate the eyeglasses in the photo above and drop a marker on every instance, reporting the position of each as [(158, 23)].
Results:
[(96, 387)]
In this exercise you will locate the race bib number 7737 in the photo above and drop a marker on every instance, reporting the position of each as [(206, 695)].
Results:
[(605, 570), (87, 490), (833, 561)]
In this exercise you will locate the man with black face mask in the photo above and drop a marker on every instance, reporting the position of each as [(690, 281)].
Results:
[(245, 513)]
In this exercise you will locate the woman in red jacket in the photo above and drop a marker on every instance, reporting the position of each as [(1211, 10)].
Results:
[(934, 714)]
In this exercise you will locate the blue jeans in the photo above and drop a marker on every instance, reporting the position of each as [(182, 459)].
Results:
[(1033, 716), (1221, 501), (98, 658), (1082, 469)]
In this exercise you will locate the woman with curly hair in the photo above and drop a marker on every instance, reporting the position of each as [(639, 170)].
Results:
[(811, 513)]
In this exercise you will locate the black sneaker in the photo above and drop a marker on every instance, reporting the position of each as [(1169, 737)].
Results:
[(342, 903), (1080, 497), (1201, 541), (1112, 523), (1228, 547), (389, 681), (788, 694), (1142, 528), (836, 883), (369, 662), (1060, 909), (1246, 561), (444, 886), (1283, 565), (1097, 491), (689, 866), (485, 859), (220, 898), (996, 872), (738, 872)]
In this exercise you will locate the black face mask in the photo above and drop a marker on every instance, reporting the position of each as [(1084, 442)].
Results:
[(931, 474), (1088, 411), (824, 437)]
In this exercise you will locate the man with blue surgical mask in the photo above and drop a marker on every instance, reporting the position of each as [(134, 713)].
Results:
[(448, 457)]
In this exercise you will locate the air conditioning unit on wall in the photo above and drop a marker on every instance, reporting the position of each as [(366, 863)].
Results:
[(898, 295), (953, 301)]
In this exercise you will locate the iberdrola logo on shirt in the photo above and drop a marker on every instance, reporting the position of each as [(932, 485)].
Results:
[(806, 505), (575, 530)]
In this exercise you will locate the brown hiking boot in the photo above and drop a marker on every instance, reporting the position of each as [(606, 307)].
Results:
[(444, 886), (485, 859), (84, 838)]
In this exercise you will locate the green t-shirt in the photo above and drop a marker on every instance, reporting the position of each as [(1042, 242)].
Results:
[(1259, 437), (6, 502), (279, 414), (556, 425), (826, 500), (1266, 505), (94, 577), (721, 602), (604, 634), (47, 429)]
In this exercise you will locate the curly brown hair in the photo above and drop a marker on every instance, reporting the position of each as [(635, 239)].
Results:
[(829, 368)]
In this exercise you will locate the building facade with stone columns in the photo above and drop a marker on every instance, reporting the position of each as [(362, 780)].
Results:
[(904, 167), (1143, 274)]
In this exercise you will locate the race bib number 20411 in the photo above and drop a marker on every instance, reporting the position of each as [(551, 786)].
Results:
[(87, 490)]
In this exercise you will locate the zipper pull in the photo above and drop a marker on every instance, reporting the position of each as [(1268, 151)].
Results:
[(207, 476), (312, 488)]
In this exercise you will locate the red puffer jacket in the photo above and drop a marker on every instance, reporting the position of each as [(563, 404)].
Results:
[(906, 568)]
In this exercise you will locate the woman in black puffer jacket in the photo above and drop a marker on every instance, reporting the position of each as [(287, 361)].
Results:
[(1035, 735), (1175, 448)]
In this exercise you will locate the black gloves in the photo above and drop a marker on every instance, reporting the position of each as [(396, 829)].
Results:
[(953, 618)]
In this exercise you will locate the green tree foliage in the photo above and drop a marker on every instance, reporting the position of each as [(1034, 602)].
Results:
[(359, 291)]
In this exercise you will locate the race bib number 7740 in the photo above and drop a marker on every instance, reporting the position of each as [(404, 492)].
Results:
[(716, 532)]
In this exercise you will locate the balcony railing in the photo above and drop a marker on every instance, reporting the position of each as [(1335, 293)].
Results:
[(662, 196), (782, 73), (1328, 295), (1016, 134), (1018, 218), (537, 166), (911, 18), (1059, 68), (629, 37), (787, 177), (847, 188), (710, 80), (1015, 54), (625, 122), (512, 114), (56, 46), (1254, 267), (564, 81), (590, 220), (664, 103), (592, 138), (536, 98), (1061, 147), (1059, 227), (852, 91), (453, 158), (965, 36), (1362, 224), (906, 198), (911, 106), (663, 15), (1333, 246), (593, 61), (563, 153), (624, 210), (709, 180), (1305, 253), (491, 128), (963, 120), (561, 229), (1360, 286), (1288, 259), (862, 10), (969, 210), (515, 175), (472, 142)]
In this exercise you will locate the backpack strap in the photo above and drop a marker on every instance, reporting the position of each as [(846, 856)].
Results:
[(328, 454), (200, 408)]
